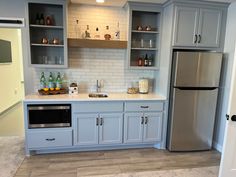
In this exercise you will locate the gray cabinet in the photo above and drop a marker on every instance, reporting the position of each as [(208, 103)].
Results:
[(142, 127), (46, 26), (197, 27), (86, 129), (144, 36), (143, 122), (110, 131), (93, 129)]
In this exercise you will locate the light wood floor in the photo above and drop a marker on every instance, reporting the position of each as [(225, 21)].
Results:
[(112, 162)]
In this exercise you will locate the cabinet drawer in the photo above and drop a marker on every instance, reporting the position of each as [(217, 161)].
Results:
[(50, 138), (85, 107), (143, 106)]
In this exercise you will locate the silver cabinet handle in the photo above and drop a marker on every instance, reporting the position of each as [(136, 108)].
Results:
[(195, 39), (199, 38), (97, 121), (50, 139), (101, 121), (142, 120), (146, 120), (145, 107)]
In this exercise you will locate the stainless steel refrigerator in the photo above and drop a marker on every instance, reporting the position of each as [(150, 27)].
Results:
[(193, 98)]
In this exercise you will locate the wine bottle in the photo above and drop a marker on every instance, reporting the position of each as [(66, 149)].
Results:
[(58, 81), (146, 60), (50, 82)]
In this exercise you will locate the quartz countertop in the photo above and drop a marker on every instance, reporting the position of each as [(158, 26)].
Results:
[(85, 97)]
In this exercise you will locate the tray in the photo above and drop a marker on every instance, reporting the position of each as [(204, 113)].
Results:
[(53, 92)]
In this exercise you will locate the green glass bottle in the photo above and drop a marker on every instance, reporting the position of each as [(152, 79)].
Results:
[(50, 81), (42, 81), (58, 81)]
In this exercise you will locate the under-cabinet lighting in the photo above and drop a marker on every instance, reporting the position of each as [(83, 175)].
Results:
[(100, 1)]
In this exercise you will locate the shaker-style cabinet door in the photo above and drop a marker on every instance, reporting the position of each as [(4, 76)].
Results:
[(152, 127), (86, 131), (185, 26), (133, 127), (209, 27), (111, 128)]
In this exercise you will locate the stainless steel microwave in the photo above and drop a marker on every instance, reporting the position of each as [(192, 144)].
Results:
[(49, 115)]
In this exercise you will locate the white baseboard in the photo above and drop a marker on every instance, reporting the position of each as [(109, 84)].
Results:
[(217, 146)]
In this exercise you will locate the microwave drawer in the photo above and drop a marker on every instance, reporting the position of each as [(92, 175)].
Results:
[(143, 106), (49, 138)]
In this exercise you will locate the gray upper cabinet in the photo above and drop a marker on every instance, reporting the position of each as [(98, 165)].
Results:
[(46, 25), (209, 27), (185, 27), (197, 26)]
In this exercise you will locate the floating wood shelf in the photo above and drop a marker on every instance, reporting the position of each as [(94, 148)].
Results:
[(93, 43)]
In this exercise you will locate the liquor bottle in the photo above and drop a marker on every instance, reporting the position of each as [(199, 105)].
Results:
[(146, 60), (87, 32), (150, 60), (42, 81), (117, 32), (58, 81), (107, 35), (41, 21), (140, 61), (50, 82), (37, 19)]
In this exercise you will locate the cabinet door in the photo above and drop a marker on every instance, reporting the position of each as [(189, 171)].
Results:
[(86, 132), (209, 27), (110, 129), (133, 128), (185, 26), (152, 127)]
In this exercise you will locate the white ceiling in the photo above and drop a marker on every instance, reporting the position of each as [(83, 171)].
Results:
[(121, 3)]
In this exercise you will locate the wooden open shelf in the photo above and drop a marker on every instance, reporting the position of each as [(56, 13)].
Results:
[(94, 43)]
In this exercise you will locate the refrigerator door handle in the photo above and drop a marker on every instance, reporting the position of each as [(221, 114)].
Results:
[(196, 88)]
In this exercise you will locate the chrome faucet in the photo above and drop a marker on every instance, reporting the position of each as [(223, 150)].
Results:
[(98, 86)]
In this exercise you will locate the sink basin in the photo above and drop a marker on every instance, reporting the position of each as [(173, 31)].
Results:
[(98, 95)]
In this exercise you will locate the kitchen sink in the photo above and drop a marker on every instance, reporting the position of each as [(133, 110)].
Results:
[(98, 95)]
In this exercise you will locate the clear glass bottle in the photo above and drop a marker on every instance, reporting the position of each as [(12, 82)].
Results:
[(42, 81), (50, 82), (97, 34), (77, 29), (117, 32), (58, 81)]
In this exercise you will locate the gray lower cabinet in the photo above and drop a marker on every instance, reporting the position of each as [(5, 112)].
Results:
[(142, 127), (197, 26), (93, 129)]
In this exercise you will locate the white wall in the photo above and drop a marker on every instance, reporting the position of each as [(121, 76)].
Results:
[(229, 50)]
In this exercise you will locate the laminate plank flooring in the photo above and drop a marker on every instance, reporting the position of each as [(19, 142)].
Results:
[(89, 164)]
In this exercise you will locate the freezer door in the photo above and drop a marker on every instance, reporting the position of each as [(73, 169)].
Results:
[(192, 119), (197, 69)]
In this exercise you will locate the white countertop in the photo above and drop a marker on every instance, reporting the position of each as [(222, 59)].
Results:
[(84, 97)]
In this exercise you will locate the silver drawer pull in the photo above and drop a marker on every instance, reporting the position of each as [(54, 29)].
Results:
[(142, 120), (145, 107), (50, 139)]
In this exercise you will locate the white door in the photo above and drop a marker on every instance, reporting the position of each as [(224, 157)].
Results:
[(110, 130), (228, 160)]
